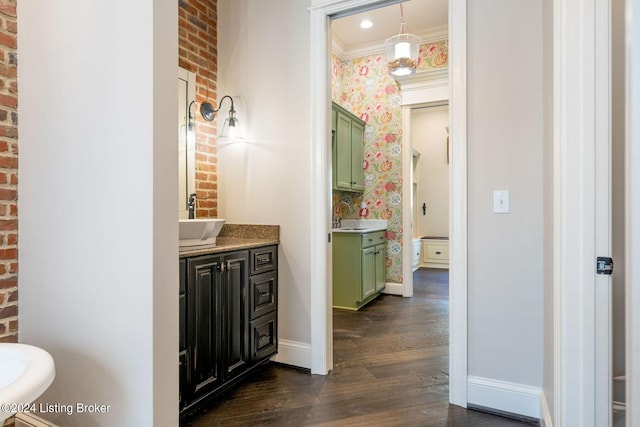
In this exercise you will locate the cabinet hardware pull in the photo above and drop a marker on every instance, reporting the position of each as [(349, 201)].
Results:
[(264, 337), (264, 294), (221, 267), (371, 240), (438, 252)]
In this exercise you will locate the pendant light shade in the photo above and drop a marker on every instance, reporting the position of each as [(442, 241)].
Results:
[(402, 51)]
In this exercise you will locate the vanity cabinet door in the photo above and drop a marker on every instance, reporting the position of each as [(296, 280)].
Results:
[(342, 158), (348, 150), (236, 314), (204, 327), (381, 267), (368, 285), (357, 156)]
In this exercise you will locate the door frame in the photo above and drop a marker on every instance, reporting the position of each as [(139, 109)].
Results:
[(632, 206), (320, 98), (582, 223)]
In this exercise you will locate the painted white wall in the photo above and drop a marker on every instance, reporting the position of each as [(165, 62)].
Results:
[(505, 147), (263, 60), (429, 137), (98, 225)]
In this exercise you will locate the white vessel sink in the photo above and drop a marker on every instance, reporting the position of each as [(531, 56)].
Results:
[(25, 373), (201, 231)]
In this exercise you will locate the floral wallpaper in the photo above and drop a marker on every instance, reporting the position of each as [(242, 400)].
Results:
[(364, 87)]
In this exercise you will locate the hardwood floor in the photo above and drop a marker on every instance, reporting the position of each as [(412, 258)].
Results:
[(390, 369)]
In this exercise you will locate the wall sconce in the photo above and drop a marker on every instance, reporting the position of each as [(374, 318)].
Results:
[(231, 125), (190, 118)]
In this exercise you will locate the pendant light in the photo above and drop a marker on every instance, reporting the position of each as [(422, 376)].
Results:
[(402, 51)]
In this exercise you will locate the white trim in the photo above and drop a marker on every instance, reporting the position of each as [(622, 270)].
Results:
[(425, 87), (293, 353), (443, 266), (504, 396), (407, 211), (581, 91), (632, 216), (393, 288), (377, 46), (28, 419), (546, 420), (320, 209), (320, 277), (458, 202)]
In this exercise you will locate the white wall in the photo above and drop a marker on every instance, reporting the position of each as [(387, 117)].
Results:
[(505, 147), (263, 60), (98, 182), (429, 137)]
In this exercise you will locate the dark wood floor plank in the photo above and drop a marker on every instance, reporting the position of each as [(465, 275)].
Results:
[(390, 369)]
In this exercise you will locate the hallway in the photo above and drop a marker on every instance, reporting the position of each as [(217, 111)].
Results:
[(391, 361)]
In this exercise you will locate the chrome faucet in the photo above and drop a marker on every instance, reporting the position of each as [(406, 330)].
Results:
[(192, 206), (337, 221)]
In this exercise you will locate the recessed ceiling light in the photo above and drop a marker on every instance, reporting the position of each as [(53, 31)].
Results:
[(366, 24)]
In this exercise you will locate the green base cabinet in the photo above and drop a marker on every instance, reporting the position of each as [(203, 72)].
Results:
[(359, 271)]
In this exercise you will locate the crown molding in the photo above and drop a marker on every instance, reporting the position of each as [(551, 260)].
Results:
[(377, 46), (427, 78)]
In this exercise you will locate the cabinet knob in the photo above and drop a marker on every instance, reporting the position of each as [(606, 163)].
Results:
[(438, 252)]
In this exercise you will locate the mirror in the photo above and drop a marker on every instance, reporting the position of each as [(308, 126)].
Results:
[(186, 140)]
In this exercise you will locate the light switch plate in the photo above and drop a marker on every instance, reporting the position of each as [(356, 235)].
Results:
[(501, 201)]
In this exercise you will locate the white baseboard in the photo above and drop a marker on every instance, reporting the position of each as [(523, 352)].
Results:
[(545, 413), (28, 419), (444, 266), (393, 289), (293, 353), (504, 396)]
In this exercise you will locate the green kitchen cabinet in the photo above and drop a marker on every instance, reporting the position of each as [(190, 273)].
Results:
[(359, 271), (348, 150)]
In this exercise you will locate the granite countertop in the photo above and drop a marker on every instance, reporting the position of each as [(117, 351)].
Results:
[(234, 237)]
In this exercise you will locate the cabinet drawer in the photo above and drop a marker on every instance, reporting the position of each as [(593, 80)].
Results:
[(264, 339), (436, 252), (372, 239), (264, 259), (263, 293)]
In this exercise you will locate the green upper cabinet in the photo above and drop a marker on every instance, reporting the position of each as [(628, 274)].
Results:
[(348, 150)]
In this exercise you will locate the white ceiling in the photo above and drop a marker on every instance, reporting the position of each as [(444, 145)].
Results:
[(421, 16)]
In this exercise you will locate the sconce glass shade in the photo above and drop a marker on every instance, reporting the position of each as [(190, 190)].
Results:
[(230, 129), (402, 52)]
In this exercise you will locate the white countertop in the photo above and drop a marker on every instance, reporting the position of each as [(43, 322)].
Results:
[(361, 226)]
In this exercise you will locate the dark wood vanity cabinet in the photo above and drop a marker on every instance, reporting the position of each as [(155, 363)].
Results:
[(228, 321)]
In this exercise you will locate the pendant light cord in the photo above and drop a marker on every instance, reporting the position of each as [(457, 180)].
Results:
[(403, 29)]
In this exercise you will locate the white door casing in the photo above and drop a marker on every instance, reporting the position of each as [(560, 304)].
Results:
[(321, 322), (582, 210)]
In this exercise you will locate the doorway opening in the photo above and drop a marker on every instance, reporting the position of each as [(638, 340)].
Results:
[(322, 327)]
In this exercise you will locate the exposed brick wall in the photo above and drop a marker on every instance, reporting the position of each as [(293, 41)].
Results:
[(197, 50), (8, 172)]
